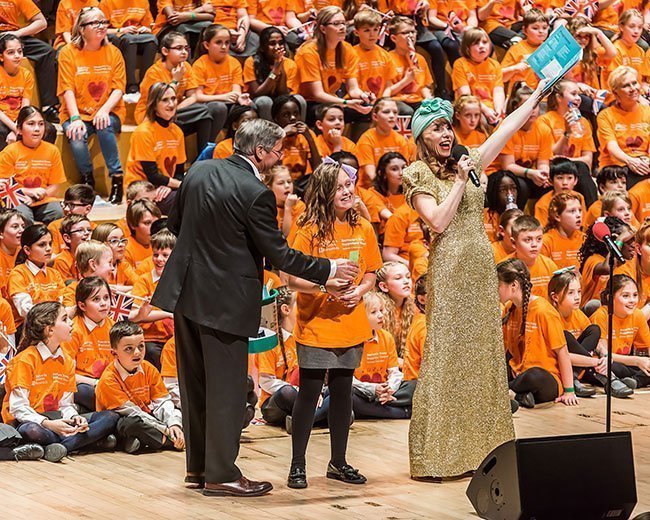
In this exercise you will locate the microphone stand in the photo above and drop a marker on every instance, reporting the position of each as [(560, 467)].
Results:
[(610, 334)]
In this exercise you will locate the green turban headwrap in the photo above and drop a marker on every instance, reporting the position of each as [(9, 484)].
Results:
[(430, 110)]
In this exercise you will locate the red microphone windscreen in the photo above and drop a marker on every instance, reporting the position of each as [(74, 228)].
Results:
[(600, 231)]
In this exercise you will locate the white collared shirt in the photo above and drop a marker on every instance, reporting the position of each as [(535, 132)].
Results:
[(34, 269), (90, 324)]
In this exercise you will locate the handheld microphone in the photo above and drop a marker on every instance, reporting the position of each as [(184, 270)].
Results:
[(457, 152), (603, 234)]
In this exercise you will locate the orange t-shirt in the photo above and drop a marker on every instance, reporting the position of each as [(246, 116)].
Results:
[(516, 54), (592, 285), (630, 333), (544, 335), (46, 381), (159, 72), (127, 13), (91, 76), (275, 363), (288, 65), (7, 317), (607, 18), (372, 145), (503, 14), (376, 69), (272, 12), (448, 10), (140, 388), (472, 140), (629, 129), (297, 154), (223, 150), (414, 347), (135, 253), (185, 6), (217, 78), (563, 251), (66, 265), (297, 210), (144, 286), (576, 323), (418, 259), (311, 68), (500, 254), (70, 294), (640, 198), (54, 228), (481, 78), (411, 93), (123, 274), (66, 14), (543, 203), (379, 354), (7, 263), (325, 150), (38, 167), (42, 287), (168, 359), (11, 11), (577, 146), (627, 55), (13, 89), (390, 202), (540, 274), (90, 349), (402, 228), (154, 143), (529, 146), (321, 320), (491, 223)]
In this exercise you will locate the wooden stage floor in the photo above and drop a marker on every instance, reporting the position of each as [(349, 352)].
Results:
[(120, 486)]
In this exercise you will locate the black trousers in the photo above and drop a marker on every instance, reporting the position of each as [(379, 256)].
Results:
[(44, 58), (212, 374)]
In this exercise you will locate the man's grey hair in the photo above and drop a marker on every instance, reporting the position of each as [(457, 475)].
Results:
[(257, 132)]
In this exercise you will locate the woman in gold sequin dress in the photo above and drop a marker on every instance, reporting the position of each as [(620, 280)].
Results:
[(461, 409)]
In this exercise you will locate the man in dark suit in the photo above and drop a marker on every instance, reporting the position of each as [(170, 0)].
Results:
[(226, 223)]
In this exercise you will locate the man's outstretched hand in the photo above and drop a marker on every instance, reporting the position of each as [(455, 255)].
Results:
[(346, 269)]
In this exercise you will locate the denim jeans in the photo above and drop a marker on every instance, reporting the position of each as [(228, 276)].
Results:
[(107, 142)]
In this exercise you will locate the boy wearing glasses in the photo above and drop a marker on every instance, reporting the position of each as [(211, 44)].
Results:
[(75, 229), (77, 200)]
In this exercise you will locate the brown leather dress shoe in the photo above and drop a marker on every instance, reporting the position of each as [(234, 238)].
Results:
[(239, 488)]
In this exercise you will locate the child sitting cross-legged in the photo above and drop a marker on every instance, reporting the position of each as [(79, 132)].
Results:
[(134, 389)]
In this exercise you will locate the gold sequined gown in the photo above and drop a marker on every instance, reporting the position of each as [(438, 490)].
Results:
[(461, 408)]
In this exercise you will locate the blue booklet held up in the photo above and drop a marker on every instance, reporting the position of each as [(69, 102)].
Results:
[(555, 57)]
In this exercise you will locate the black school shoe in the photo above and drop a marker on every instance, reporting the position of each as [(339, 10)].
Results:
[(346, 474), (525, 399), (28, 452), (297, 478)]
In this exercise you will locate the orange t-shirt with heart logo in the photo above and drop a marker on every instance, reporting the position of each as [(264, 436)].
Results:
[(91, 76), (46, 381), (376, 69), (38, 167), (90, 349), (312, 69), (379, 354), (272, 12), (153, 142), (629, 129), (13, 89)]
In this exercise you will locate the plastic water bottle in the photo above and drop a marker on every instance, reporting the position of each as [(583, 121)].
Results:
[(511, 203), (575, 125)]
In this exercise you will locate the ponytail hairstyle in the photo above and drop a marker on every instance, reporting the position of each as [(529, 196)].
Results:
[(30, 236), (168, 40), (520, 91), (420, 289), (398, 330), (5, 38), (464, 100), (261, 64), (285, 296), (87, 288), (270, 175), (642, 237), (379, 105), (24, 114), (206, 36), (555, 208), (324, 17), (514, 270), (39, 317), (618, 282), (558, 285), (557, 92), (381, 182), (591, 246)]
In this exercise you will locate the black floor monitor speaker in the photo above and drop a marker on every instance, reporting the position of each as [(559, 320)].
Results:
[(575, 477)]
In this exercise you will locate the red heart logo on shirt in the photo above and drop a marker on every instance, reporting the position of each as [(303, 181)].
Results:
[(13, 102), (294, 377), (411, 88), (96, 89), (411, 5), (98, 367), (331, 81), (168, 326), (374, 84), (50, 403), (170, 165), (32, 182), (507, 11), (481, 93), (572, 150), (277, 15), (634, 142)]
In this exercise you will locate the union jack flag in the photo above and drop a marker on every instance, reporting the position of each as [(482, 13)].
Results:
[(382, 34), (307, 30), (599, 100), (120, 306), (403, 126), (12, 195), (586, 8), (4, 361)]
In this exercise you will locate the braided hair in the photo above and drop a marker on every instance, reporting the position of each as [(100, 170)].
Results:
[(514, 270), (592, 246), (285, 296), (39, 317)]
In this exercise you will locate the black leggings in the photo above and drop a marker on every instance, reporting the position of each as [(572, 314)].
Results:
[(340, 388), (586, 342), (620, 370), (539, 382)]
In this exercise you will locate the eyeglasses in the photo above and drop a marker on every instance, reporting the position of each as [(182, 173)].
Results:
[(117, 242), (181, 48), (96, 24), (350, 170), (278, 153), (75, 204), (336, 24), (82, 231)]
